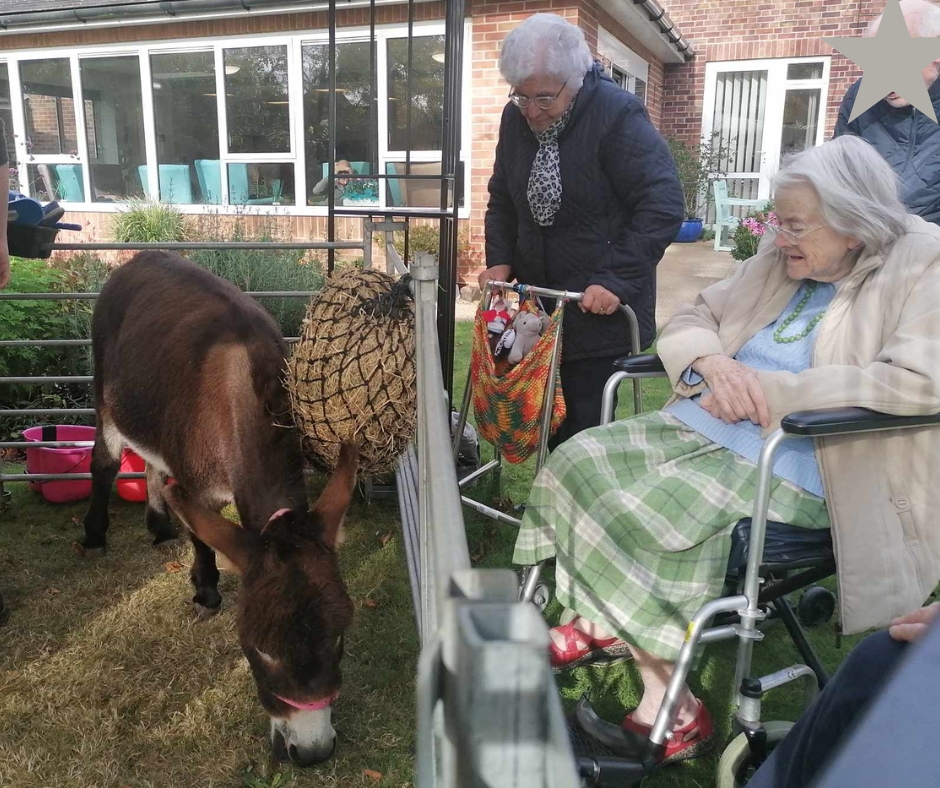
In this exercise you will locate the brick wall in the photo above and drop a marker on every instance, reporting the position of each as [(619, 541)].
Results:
[(744, 29), (491, 22)]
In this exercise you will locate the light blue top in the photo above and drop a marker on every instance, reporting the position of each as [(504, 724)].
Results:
[(795, 460)]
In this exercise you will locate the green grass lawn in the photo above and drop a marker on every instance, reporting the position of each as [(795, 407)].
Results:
[(107, 681)]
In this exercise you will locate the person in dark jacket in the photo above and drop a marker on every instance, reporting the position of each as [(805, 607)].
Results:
[(907, 139), (584, 197)]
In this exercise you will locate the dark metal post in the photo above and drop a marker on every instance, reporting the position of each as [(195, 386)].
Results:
[(450, 162), (331, 187)]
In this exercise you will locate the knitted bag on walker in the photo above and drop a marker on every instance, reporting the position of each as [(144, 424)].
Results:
[(508, 408)]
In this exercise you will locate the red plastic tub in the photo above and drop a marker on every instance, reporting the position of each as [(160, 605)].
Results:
[(132, 489), (65, 460)]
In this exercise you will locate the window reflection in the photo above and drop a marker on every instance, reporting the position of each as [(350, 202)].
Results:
[(257, 104)]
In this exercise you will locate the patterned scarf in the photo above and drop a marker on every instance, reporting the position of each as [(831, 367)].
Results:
[(544, 191)]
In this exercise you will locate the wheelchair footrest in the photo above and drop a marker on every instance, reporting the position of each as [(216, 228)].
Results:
[(599, 765)]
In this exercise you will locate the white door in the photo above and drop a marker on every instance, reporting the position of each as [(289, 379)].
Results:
[(760, 111)]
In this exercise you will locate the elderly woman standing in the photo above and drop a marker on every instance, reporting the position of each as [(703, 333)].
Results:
[(584, 196), (840, 307)]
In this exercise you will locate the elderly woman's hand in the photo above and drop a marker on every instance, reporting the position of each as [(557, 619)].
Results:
[(735, 393), (498, 273), (599, 301)]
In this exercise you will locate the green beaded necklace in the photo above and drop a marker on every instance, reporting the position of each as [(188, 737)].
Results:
[(779, 338)]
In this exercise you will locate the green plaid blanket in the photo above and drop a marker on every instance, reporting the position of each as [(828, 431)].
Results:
[(639, 514)]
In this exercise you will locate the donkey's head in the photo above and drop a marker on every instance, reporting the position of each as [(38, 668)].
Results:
[(293, 609)]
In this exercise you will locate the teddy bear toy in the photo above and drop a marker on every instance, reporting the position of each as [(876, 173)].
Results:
[(528, 327)]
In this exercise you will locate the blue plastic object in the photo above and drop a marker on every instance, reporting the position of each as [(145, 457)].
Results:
[(690, 231), (28, 210)]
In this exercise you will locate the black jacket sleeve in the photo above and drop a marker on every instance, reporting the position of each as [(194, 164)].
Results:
[(845, 110), (643, 174), (501, 223)]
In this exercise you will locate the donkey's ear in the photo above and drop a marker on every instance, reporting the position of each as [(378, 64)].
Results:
[(333, 502), (221, 534)]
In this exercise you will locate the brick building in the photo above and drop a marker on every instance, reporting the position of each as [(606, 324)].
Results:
[(752, 72), (98, 94)]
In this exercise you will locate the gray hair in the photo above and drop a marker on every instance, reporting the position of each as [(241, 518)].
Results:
[(857, 189), (922, 18), (547, 45)]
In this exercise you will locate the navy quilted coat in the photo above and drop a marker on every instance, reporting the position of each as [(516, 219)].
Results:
[(621, 207), (908, 140)]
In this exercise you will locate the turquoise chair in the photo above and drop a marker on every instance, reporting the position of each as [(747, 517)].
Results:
[(69, 186), (209, 176), (175, 183), (394, 185)]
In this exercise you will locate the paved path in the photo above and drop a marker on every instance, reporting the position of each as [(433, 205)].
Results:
[(684, 271)]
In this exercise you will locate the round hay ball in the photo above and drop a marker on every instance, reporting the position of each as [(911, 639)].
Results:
[(352, 375)]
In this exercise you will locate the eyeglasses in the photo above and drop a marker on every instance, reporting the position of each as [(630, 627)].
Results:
[(542, 102), (788, 235)]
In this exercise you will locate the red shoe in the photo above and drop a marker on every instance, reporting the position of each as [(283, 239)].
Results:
[(692, 740), (581, 649)]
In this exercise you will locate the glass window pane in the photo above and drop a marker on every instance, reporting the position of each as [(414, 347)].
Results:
[(805, 71), (419, 192), (115, 126), (800, 121), (187, 126), (259, 184), (50, 109), (354, 136), (257, 100), (639, 89), (62, 182), (427, 93), (6, 115)]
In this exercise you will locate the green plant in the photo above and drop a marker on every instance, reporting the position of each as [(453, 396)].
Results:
[(42, 319), (276, 270), (362, 189), (697, 165), (149, 222), (426, 238), (747, 235)]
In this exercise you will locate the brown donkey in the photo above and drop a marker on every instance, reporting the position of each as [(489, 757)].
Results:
[(188, 373)]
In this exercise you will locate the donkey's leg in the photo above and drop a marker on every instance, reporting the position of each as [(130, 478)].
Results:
[(157, 518), (205, 579), (105, 462)]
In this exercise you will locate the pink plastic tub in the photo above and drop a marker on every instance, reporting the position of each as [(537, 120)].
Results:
[(65, 460)]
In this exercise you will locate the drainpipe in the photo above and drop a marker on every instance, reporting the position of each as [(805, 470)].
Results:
[(667, 27)]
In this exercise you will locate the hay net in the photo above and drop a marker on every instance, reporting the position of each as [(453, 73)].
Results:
[(352, 375), (508, 408)]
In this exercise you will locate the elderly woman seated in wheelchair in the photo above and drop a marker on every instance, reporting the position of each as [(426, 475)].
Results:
[(839, 308)]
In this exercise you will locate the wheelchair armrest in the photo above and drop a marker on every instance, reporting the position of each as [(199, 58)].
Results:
[(647, 364), (841, 421)]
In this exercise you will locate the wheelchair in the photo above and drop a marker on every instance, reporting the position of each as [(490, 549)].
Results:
[(768, 562)]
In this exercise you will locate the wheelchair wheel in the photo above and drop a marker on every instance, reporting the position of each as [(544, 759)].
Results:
[(735, 767), (541, 597), (816, 606)]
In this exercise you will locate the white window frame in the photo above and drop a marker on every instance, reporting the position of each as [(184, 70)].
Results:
[(297, 155), (625, 59), (777, 87)]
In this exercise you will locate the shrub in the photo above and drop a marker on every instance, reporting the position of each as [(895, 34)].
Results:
[(697, 165), (149, 222), (747, 235), (261, 269), (42, 320), (426, 238)]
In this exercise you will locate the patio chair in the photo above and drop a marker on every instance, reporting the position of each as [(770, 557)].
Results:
[(723, 215), (175, 183), (69, 187), (209, 176), (414, 193)]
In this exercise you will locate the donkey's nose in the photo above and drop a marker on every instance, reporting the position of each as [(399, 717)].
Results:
[(308, 756)]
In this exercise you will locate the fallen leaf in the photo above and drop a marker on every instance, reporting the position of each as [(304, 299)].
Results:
[(78, 548), (384, 538), (370, 603), (172, 567), (372, 775), (53, 591), (75, 520)]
